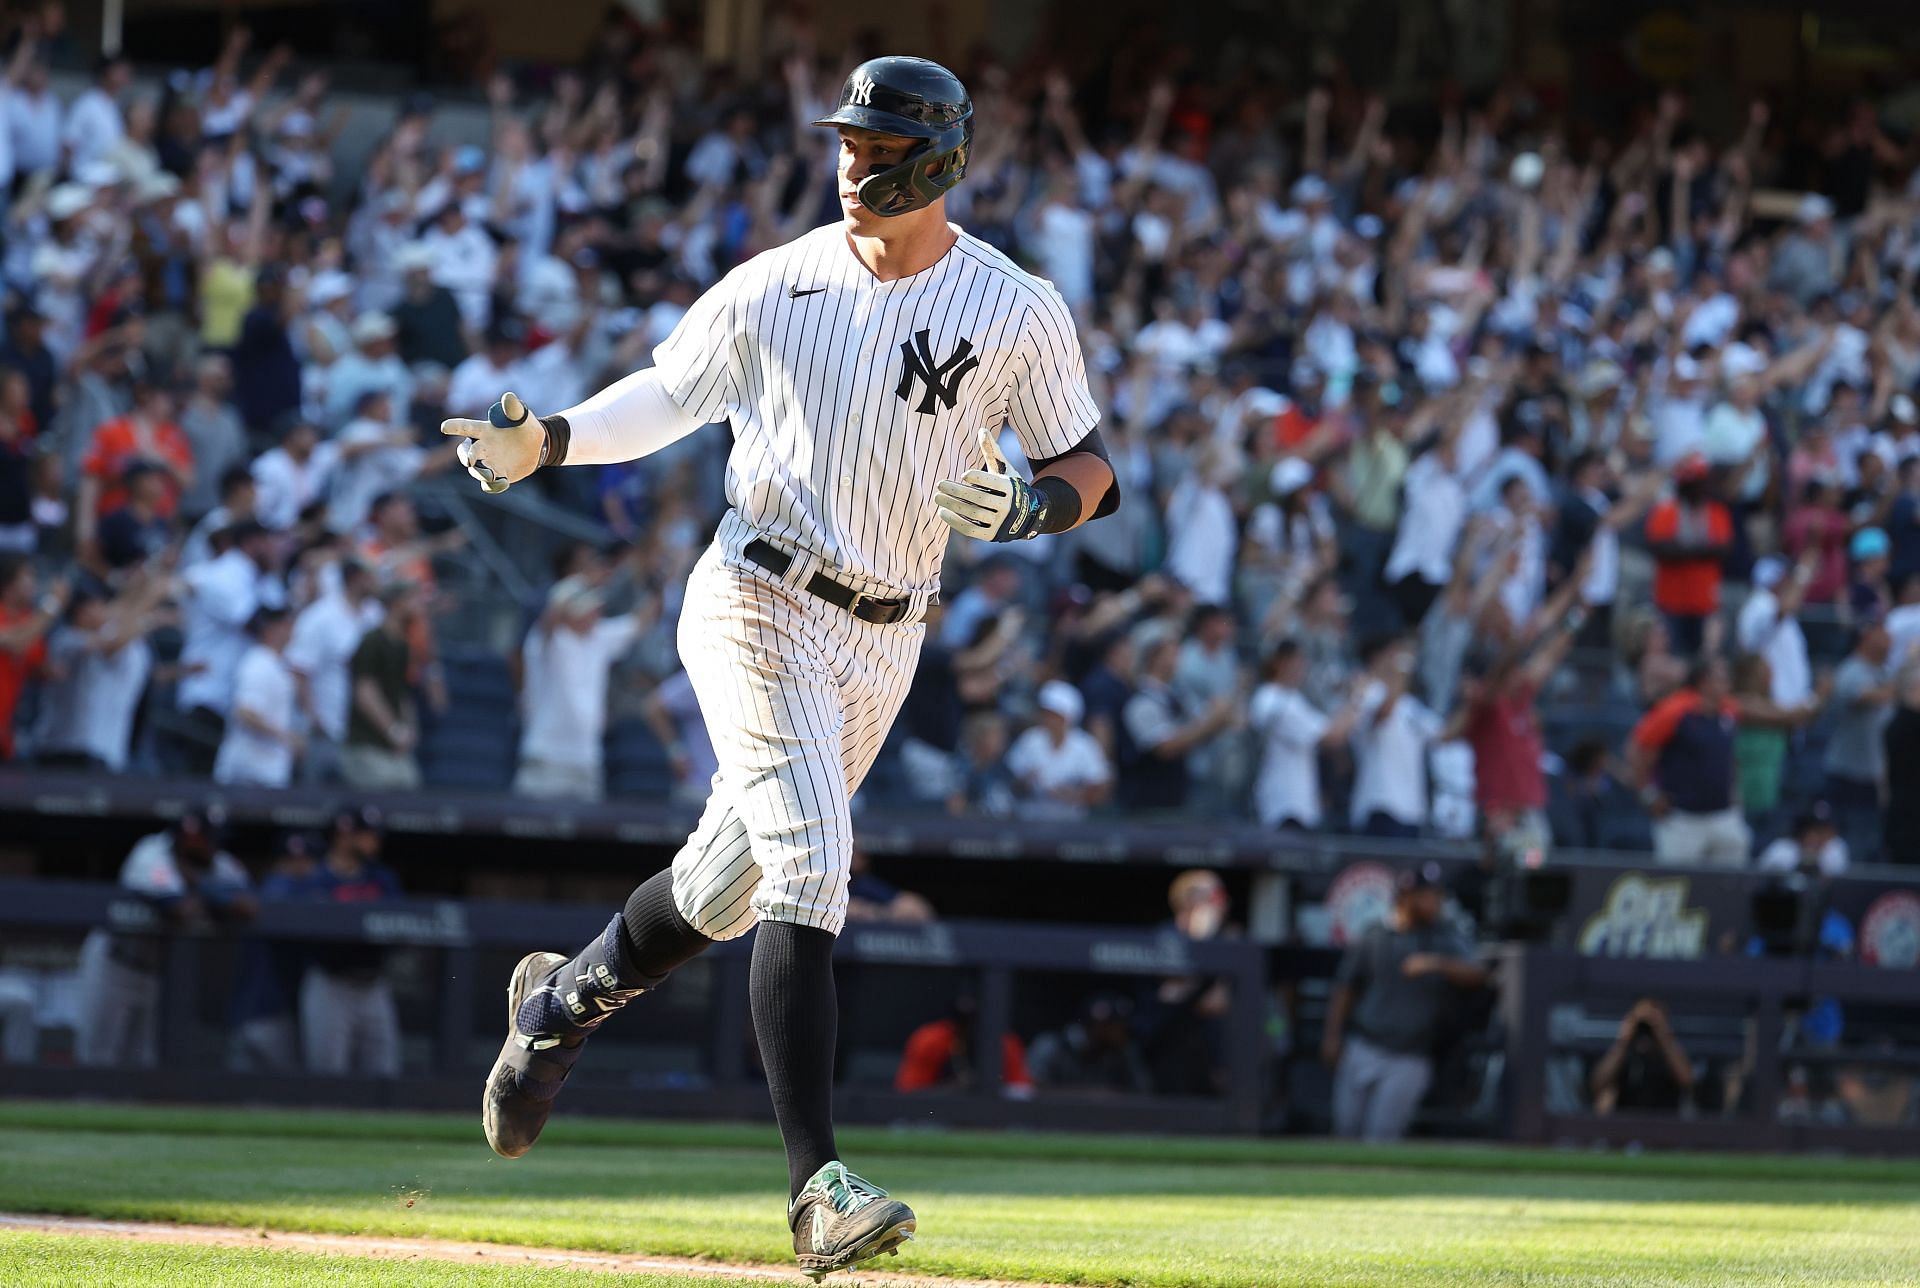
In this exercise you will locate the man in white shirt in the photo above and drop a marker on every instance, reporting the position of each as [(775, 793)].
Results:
[(569, 653), (1769, 625), (376, 454), (463, 259), (325, 636), (1421, 562), (97, 668), (94, 126), (1390, 741), (1204, 536), (1061, 770), (262, 741), (291, 476), (374, 364), (1286, 791), (223, 594), (1735, 431)]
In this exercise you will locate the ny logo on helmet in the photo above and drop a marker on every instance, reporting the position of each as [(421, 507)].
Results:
[(942, 379), (860, 91)]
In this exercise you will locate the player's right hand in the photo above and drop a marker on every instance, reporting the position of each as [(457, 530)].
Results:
[(502, 449)]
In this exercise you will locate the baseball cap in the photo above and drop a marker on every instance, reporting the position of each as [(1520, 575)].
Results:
[(1309, 187), (1868, 543), (1903, 409), (1424, 876), (1062, 699), (1813, 208), (371, 327)]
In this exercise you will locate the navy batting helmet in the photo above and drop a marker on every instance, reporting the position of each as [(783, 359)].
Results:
[(916, 99)]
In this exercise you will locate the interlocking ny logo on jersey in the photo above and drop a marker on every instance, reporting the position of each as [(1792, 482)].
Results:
[(861, 94), (942, 380)]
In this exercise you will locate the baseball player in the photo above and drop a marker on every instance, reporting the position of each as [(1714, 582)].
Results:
[(866, 369)]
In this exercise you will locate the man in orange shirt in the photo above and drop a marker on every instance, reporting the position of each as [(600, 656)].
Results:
[(147, 433), (1688, 535), (939, 1054)]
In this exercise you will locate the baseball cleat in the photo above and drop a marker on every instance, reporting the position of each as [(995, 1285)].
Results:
[(839, 1220), (531, 1067), (553, 1005)]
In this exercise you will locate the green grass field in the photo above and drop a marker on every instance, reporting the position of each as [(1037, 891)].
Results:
[(1105, 1211)]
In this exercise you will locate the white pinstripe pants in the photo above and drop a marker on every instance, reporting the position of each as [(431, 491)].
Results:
[(798, 695)]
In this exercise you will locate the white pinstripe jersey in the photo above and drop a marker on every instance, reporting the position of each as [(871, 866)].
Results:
[(850, 398)]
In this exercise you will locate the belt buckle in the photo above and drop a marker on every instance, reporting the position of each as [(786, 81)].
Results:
[(859, 598)]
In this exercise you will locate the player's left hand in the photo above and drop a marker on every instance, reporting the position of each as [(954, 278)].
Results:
[(993, 504), (502, 449)]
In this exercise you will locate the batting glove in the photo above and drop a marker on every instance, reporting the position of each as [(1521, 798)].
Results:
[(499, 451), (993, 504)]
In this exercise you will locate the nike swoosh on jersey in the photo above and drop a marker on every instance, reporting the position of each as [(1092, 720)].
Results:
[(794, 292)]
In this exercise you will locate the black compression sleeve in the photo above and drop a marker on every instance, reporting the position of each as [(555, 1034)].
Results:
[(1092, 445), (1062, 501)]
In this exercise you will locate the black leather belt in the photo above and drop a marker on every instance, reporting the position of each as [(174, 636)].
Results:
[(881, 612)]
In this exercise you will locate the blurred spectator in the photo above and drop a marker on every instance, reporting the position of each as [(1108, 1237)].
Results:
[(1202, 530), (1435, 508), (326, 635), (1769, 626), (1592, 804), (869, 898), (262, 745), (1391, 735), (348, 1023), (376, 454), (215, 436), (221, 597), (1185, 1041), (373, 365), (238, 494), (26, 352), (1689, 534), (191, 883), (264, 1011), (136, 530), (982, 784), (1681, 762), (939, 1055), (428, 328), (1097, 1051), (1856, 765), (1391, 999), (382, 725), (563, 698), (266, 366), (97, 666), (672, 711), (1812, 846), (1207, 674), (1900, 745), (18, 534), (1646, 1068), (148, 435), (292, 476), (1763, 737), (1293, 733), (26, 616), (1160, 731), (1060, 770)]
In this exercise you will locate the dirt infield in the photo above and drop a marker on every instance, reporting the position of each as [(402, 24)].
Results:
[(386, 1248)]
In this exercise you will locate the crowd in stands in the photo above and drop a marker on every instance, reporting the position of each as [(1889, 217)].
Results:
[(1487, 472)]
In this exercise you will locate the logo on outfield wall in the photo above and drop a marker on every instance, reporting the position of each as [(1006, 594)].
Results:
[(1890, 932), (1645, 917), (1361, 896)]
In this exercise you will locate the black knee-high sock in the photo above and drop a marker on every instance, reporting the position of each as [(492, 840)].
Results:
[(658, 938), (795, 1019)]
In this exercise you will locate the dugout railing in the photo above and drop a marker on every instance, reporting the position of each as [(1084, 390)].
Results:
[(464, 935)]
